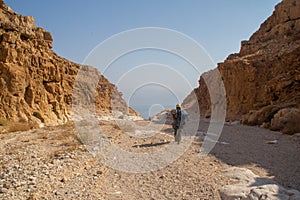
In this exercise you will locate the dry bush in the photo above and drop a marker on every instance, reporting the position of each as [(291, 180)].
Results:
[(7, 126), (18, 126), (3, 122)]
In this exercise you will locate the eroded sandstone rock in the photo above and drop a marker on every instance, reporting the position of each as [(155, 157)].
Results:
[(264, 76), (35, 83), (286, 120)]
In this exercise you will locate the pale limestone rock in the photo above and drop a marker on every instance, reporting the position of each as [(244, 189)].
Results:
[(252, 187)]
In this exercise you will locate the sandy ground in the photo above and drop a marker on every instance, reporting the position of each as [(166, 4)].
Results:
[(51, 163)]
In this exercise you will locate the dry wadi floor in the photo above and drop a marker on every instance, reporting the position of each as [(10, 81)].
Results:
[(51, 163)]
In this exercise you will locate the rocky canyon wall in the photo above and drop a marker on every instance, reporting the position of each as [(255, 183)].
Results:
[(35, 83), (262, 81)]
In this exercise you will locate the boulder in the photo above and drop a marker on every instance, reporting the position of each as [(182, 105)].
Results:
[(252, 187), (286, 120), (258, 117)]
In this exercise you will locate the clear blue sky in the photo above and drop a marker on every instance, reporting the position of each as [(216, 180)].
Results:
[(78, 26)]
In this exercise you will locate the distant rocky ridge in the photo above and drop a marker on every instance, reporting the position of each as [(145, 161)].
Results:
[(262, 81), (36, 84)]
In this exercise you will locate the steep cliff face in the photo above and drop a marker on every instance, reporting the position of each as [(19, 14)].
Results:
[(35, 83), (262, 81)]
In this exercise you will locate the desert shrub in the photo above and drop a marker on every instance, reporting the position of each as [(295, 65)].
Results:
[(7, 126), (18, 126), (3, 122)]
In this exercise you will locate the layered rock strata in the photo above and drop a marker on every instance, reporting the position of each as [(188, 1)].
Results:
[(262, 81), (36, 84)]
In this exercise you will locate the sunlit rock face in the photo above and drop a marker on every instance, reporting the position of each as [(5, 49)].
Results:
[(262, 81)]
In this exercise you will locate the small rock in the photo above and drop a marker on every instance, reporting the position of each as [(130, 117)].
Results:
[(297, 135), (3, 190), (6, 186), (99, 172), (272, 142), (118, 192), (23, 182), (32, 178)]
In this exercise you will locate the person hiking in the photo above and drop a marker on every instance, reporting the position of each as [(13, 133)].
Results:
[(179, 116)]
